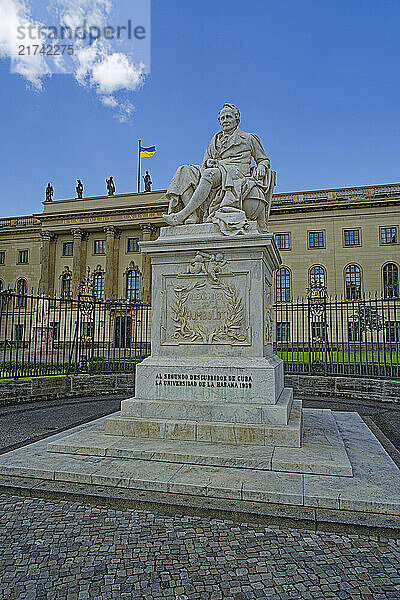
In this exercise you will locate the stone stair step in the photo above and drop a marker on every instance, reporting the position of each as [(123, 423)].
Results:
[(231, 412), (213, 431)]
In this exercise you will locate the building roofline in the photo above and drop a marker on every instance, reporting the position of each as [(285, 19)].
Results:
[(309, 199)]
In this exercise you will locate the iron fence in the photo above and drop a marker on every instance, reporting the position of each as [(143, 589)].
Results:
[(55, 336), (333, 336), (318, 335)]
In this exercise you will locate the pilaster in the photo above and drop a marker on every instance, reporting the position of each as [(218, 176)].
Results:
[(145, 282), (79, 259), (47, 262), (112, 254)]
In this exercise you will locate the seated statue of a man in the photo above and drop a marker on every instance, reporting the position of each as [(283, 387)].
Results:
[(225, 189)]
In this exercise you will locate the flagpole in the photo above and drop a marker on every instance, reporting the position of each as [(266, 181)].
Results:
[(138, 176)]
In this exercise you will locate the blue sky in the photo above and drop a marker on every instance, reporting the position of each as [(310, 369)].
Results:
[(317, 80)]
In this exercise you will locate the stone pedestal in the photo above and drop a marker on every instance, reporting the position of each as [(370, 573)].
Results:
[(212, 375), (212, 425)]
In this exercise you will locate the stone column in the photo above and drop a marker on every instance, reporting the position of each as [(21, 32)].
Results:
[(145, 282), (112, 254), (79, 260), (47, 262)]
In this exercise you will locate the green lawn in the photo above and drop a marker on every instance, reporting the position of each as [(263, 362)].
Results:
[(364, 357)]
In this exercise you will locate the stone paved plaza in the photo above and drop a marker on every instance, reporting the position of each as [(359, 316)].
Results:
[(62, 549)]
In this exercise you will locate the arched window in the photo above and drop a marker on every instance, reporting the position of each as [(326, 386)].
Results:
[(21, 290), (317, 277), (132, 285), (98, 285), (283, 285), (66, 286), (353, 282), (390, 280)]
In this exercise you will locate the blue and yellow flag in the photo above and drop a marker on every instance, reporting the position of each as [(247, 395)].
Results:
[(147, 152)]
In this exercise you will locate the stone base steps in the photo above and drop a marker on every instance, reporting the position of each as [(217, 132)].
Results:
[(371, 491), (319, 456), (228, 412), (212, 432)]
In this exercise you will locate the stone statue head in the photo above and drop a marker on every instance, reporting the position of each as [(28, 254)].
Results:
[(229, 116)]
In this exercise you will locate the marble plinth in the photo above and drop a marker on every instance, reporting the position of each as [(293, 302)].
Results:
[(341, 474)]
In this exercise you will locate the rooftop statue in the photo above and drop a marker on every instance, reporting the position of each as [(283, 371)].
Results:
[(147, 182), (49, 193), (79, 189), (225, 189), (110, 186)]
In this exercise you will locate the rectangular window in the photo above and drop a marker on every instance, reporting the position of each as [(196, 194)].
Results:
[(388, 235), (351, 237), (2, 257), (319, 331), (316, 239), (353, 331), (23, 257), (283, 241), (393, 331), (100, 247), (283, 331), (19, 332), (133, 245), (87, 330), (68, 248), (55, 326)]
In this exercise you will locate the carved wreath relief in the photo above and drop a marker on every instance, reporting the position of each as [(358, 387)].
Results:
[(207, 307)]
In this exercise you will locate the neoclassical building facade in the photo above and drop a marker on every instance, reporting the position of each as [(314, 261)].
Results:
[(345, 239)]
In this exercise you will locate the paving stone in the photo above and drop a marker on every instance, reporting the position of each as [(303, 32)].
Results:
[(69, 550)]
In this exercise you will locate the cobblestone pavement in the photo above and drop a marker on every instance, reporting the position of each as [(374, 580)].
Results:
[(63, 549)]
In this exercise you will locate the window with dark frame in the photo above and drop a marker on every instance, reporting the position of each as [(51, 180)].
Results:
[(98, 286), (283, 285), (319, 331), (88, 329), (390, 281), (351, 237), (2, 257), (133, 245), (316, 239), (19, 332), (68, 248), (354, 332), (23, 257), (21, 289), (55, 327), (132, 285), (317, 276), (388, 235), (283, 331), (353, 282), (1, 285), (100, 247), (66, 287), (282, 241), (392, 331)]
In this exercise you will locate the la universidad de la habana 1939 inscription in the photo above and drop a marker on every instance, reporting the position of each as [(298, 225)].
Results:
[(204, 380)]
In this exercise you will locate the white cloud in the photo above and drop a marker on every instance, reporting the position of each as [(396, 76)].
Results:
[(125, 108), (15, 14), (96, 66), (109, 101), (115, 72)]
